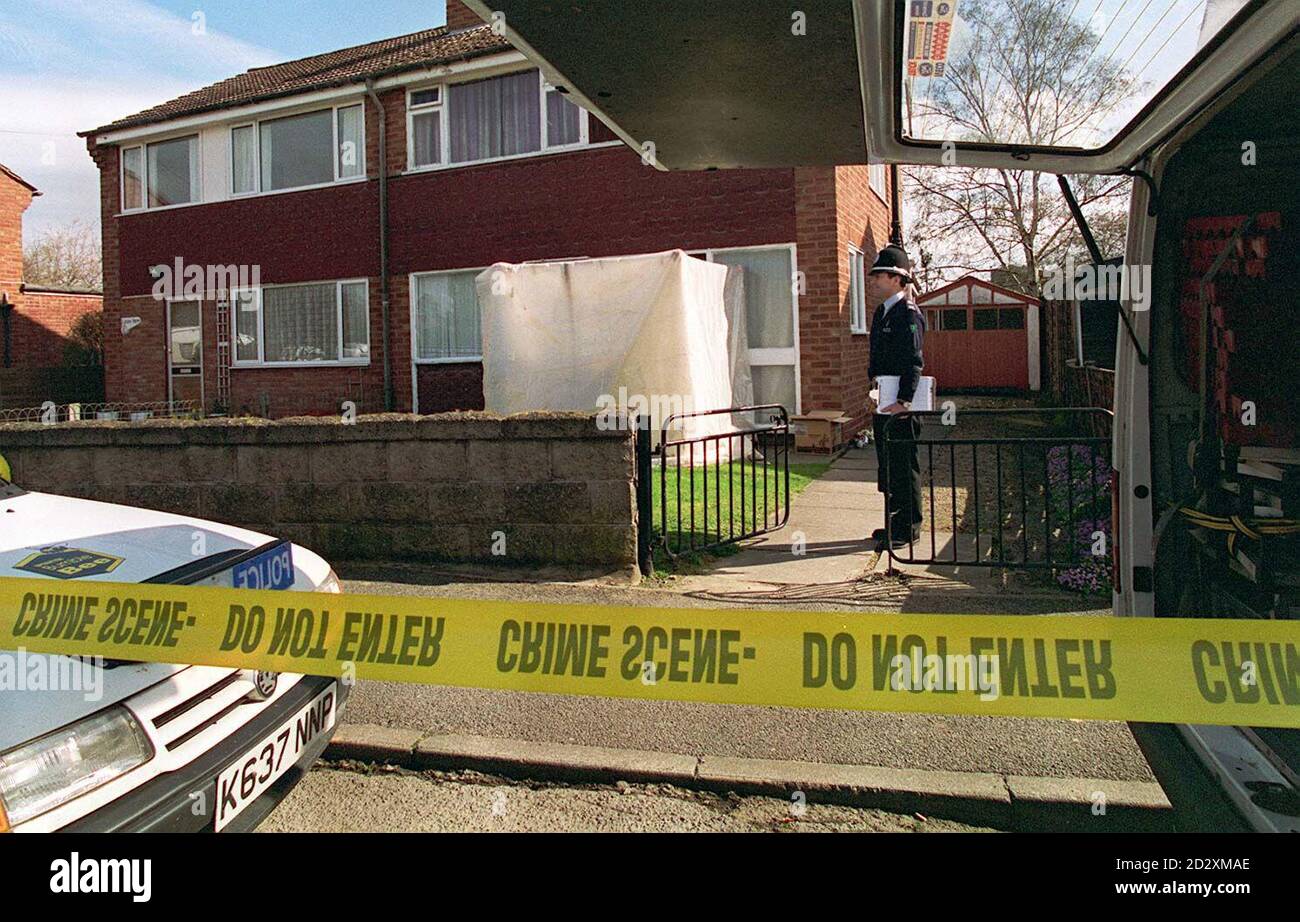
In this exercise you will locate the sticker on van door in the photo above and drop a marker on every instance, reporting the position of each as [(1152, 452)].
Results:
[(63, 562)]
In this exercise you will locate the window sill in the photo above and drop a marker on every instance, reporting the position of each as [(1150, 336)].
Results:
[(246, 196), (126, 212), (251, 366), (551, 151), (351, 180), (459, 360)]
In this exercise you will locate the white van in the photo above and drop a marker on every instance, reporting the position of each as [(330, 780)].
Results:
[(1215, 141), (89, 745)]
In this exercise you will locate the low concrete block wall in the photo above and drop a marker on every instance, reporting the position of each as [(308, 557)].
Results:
[(528, 489)]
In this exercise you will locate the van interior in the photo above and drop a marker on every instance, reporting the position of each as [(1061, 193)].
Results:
[(1225, 421)]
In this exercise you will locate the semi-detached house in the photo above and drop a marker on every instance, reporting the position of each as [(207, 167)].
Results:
[(280, 170)]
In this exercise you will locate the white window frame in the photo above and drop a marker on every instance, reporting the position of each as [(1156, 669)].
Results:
[(261, 362), (256, 125), (257, 160), (143, 147), (583, 124), (775, 355), (412, 280), (444, 106), (857, 291), (413, 111)]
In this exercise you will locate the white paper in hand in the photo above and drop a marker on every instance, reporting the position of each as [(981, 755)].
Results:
[(887, 393)]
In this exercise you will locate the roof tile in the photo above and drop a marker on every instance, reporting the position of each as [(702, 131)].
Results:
[(334, 68)]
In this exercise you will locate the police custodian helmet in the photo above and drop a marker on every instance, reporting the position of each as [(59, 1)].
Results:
[(893, 259)]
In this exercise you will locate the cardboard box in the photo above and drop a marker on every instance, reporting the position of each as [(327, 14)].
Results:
[(819, 430)]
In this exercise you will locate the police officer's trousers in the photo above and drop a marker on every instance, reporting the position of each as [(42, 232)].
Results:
[(896, 453)]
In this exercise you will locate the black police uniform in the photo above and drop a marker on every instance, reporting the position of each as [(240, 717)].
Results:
[(896, 338)]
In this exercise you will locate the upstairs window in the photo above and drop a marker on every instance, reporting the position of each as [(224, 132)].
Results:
[(563, 119), (298, 151), (496, 117), (490, 119), (425, 108), (132, 178), (161, 174)]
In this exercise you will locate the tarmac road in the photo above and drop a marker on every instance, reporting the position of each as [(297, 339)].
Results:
[(351, 797), (1050, 748)]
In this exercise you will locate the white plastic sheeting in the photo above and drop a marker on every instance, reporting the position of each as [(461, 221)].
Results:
[(660, 333)]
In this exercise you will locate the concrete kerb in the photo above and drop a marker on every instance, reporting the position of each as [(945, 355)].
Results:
[(1008, 802)]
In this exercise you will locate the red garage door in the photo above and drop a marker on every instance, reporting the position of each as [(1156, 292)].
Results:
[(977, 337)]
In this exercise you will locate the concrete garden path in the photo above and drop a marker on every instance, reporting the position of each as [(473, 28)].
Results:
[(824, 554)]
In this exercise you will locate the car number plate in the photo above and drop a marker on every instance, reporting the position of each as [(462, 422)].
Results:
[(260, 767), (271, 569)]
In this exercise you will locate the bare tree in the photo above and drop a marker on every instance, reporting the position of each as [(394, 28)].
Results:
[(1027, 74), (65, 257)]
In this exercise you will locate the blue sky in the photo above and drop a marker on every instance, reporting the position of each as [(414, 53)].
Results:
[(71, 65)]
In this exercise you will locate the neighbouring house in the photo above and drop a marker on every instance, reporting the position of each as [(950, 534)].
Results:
[(34, 320), (981, 337), (364, 262)]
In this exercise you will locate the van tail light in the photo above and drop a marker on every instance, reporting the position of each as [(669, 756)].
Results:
[(1114, 529)]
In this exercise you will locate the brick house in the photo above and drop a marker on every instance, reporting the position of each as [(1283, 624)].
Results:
[(366, 261), (34, 321)]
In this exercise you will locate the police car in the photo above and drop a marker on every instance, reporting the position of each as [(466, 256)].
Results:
[(93, 745)]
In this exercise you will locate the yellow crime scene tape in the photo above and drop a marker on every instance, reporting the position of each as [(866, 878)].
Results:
[(1132, 669)]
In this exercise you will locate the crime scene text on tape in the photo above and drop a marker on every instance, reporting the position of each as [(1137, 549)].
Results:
[(1166, 670)]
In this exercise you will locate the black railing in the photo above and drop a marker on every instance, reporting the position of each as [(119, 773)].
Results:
[(1028, 501), (721, 488)]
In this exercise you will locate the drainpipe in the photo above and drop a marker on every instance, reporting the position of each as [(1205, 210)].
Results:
[(895, 206), (383, 241), (6, 319)]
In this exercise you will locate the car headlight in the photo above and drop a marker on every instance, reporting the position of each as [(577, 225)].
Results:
[(38, 776), (331, 583)]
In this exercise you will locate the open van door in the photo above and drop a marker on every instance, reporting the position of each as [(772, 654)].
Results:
[(732, 83), (1152, 67)]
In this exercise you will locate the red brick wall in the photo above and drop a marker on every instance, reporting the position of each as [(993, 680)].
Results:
[(40, 322), (459, 16), (313, 235), (14, 199), (603, 202), (835, 208), (863, 222), (40, 326), (820, 302), (120, 357)]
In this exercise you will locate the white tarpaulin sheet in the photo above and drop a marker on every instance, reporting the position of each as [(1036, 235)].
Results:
[(661, 333)]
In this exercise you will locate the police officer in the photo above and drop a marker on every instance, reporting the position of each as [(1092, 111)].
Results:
[(897, 328)]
